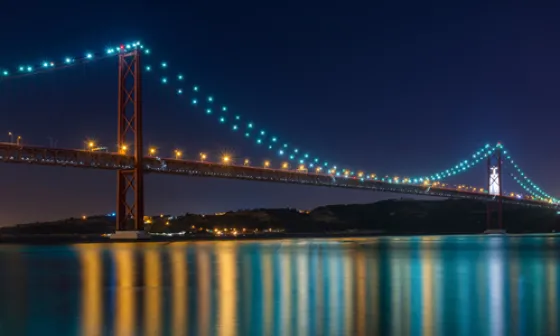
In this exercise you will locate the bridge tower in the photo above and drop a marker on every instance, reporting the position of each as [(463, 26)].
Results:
[(494, 218), (130, 182)]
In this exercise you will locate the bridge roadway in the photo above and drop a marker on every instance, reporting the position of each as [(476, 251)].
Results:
[(12, 153)]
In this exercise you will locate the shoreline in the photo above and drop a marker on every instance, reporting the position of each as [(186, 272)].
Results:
[(70, 239)]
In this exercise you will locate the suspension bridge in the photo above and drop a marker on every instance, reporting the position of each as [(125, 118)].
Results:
[(131, 161)]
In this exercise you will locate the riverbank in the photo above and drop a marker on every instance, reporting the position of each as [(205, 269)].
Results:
[(85, 239), (390, 217)]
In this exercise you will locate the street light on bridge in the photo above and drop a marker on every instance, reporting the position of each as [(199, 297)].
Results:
[(226, 159), (18, 140), (285, 165), (11, 135), (90, 144), (178, 154), (152, 151), (202, 157), (246, 162), (123, 149), (267, 164)]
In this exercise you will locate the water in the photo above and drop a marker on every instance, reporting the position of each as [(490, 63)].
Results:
[(374, 286)]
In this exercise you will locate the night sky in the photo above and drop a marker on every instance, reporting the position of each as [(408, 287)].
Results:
[(401, 88)]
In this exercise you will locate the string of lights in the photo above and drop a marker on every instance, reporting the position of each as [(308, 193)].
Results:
[(526, 188), (524, 181), (460, 167), (250, 130), (26, 69)]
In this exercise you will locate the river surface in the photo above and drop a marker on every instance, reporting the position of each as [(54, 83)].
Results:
[(459, 285)]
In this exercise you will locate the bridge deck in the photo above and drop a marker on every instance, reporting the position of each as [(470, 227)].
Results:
[(11, 153)]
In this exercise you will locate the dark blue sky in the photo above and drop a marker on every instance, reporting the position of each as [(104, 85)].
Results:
[(399, 88)]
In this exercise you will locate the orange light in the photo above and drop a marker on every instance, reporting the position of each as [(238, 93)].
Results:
[(267, 164)]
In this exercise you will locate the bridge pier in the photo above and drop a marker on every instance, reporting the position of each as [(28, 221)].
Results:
[(494, 225), (130, 235), (130, 182)]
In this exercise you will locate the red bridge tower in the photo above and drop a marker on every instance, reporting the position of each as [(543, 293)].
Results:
[(494, 218), (130, 182)]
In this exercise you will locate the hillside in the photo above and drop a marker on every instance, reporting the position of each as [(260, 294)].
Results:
[(391, 216)]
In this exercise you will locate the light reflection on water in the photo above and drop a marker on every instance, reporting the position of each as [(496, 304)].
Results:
[(401, 286)]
